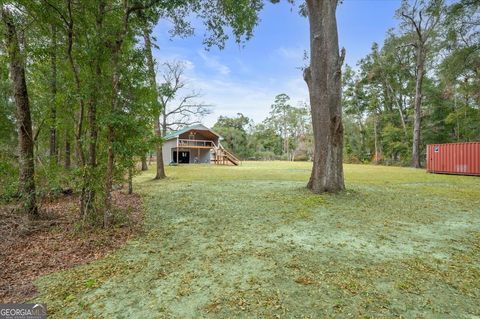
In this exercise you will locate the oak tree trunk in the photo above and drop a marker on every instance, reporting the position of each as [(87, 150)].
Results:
[(24, 122), (158, 131), (323, 78)]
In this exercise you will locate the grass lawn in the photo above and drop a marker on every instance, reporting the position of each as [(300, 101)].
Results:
[(252, 242)]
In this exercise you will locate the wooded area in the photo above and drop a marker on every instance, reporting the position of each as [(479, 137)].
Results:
[(82, 90), (82, 101)]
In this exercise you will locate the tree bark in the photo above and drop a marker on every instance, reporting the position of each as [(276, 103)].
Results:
[(323, 78), (68, 151), (130, 180), (423, 19), (417, 114), (107, 219), (24, 121), (53, 107), (164, 121), (88, 192), (144, 163), (158, 130), (377, 144), (79, 154)]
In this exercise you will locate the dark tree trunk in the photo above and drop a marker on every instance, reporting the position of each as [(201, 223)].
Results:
[(378, 153), (79, 154), (144, 163), (130, 181), (158, 130), (323, 78), (88, 192), (68, 151), (24, 121), (417, 115), (53, 108), (108, 215)]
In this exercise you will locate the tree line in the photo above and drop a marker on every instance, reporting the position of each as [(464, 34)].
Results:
[(421, 86), (286, 134), (81, 99)]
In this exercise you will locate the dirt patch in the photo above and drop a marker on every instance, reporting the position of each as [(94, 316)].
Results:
[(30, 249)]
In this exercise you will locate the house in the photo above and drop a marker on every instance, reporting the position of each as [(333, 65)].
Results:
[(196, 144)]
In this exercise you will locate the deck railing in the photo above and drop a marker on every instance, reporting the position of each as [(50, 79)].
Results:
[(195, 143)]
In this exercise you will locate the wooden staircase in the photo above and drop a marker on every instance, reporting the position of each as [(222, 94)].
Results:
[(223, 157)]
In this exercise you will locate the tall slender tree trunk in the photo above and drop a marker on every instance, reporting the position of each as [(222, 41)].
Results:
[(79, 154), (115, 49), (158, 130), (323, 78), (417, 115), (88, 191), (24, 121), (377, 144), (399, 107), (107, 220), (53, 107), (68, 151), (130, 180)]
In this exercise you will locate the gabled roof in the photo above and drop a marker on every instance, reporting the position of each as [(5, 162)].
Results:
[(198, 127)]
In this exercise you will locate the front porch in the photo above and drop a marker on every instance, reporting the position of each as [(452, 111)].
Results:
[(196, 144)]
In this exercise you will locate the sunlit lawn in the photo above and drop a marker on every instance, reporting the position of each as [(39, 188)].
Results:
[(252, 242)]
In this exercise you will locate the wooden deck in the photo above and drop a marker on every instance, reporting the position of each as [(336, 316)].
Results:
[(220, 156)]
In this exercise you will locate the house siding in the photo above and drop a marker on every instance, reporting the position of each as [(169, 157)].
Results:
[(169, 146), (167, 150)]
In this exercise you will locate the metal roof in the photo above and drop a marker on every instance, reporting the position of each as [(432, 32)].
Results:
[(199, 127)]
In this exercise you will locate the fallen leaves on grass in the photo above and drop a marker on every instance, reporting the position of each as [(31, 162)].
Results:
[(30, 249), (305, 281)]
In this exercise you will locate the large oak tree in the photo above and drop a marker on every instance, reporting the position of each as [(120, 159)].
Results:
[(323, 77)]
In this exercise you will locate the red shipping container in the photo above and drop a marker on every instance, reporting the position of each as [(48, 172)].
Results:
[(454, 158)]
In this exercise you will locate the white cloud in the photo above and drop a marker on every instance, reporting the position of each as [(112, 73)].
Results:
[(243, 91), (213, 63), (252, 98)]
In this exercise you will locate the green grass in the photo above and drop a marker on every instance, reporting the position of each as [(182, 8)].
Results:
[(252, 242)]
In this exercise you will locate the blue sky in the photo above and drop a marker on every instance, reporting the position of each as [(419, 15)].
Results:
[(246, 79)]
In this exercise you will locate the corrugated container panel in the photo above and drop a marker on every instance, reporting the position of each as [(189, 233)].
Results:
[(454, 158)]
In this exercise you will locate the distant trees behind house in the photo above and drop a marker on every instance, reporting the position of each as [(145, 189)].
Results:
[(284, 134)]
